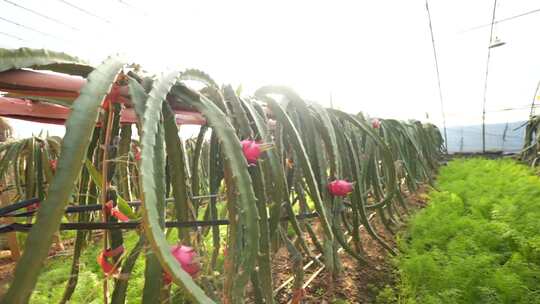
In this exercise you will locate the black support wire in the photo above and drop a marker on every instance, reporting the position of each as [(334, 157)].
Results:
[(486, 80), (18, 205), (41, 15), (133, 224), (7, 211), (438, 75), (69, 209), (10, 210)]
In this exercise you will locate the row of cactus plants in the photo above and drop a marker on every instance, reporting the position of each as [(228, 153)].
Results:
[(259, 159), (530, 152)]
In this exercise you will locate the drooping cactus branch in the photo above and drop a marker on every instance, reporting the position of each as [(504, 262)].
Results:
[(259, 166)]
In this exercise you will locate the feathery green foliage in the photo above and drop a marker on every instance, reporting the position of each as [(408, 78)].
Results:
[(477, 241)]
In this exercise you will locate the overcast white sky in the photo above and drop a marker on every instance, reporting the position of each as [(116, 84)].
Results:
[(371, 56)]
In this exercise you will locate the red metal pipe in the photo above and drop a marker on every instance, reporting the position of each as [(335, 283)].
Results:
[(55, 114), (62, 87)]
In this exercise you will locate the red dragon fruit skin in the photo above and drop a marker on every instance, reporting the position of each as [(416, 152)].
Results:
[(53, 163), (340, 187), (252, 151), (187, 257), (375, 123)]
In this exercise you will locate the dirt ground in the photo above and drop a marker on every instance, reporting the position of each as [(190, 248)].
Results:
[(356, 284)]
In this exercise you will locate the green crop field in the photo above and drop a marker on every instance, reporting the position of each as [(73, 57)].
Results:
[(478, 240)]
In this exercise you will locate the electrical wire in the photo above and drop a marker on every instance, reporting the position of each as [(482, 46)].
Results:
[(144, 13), (486, 80), (135, 224), (31, 29), (13, 36), (41, 15), (438, 75), (517, 108), (85, 11), (526, 107), (501, 20)]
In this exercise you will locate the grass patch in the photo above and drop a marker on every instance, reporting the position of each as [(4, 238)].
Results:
[(478, 241), (55, 273)]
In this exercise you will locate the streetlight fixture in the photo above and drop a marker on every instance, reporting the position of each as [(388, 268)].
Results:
[(496, 43)]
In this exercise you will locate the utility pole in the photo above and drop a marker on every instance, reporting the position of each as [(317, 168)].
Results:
[(438, 77), (534, 99), (486, 80)]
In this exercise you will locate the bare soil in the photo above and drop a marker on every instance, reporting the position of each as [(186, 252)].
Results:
[(356, 283)]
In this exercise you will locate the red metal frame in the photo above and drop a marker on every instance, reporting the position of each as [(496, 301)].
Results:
[(61, 87)]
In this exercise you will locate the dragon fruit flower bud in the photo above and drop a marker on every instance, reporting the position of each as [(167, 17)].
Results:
[(137, 153), (53, 163), (272, 124), (252, 150), (340, 187), (375, 123)]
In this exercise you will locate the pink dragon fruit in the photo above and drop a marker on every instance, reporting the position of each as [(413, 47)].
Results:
[(188, 259), (137, 153), (53, 163), (340, 187), (252, 150), (375, 123)]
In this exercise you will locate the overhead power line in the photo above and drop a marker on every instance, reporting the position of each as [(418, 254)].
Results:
[(85, 11), (131, 6), (438, 75), (41, 15), (502, 20), (12, 36), (517, 108), (31, 29), (527, 107), (126, 4), (486, 80)]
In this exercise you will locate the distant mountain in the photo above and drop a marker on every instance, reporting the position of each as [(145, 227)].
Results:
[(507, 137)]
